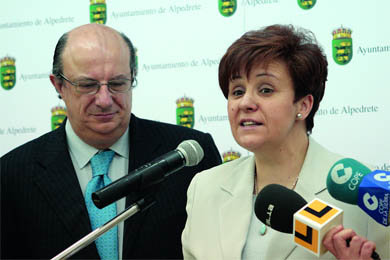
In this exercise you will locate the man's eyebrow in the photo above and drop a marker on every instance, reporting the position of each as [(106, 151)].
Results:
[(84, 78), (121, 76)]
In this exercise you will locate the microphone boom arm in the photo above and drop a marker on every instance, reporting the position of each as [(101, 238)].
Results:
[(140, 205)]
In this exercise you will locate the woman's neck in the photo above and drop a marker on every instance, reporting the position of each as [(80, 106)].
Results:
[(281, 163)]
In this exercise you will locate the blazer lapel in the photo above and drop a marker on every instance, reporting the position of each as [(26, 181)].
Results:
[(56, 178), (235, 213), (310, 183), (312, 178)]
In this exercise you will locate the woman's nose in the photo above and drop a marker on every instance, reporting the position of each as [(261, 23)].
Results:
[(248, 102)]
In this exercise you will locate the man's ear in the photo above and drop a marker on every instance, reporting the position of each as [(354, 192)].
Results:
[(57, 85), (305, 105)]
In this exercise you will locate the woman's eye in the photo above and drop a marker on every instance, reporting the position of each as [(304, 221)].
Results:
[(237, 92), (266, 90)]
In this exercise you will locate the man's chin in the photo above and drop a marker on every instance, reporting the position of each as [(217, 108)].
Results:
[(108, 128), (105, 129)]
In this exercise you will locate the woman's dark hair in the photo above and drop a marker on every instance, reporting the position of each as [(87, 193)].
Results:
[(297, 48)]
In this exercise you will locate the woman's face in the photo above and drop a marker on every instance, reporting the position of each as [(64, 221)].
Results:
[(261, 108)]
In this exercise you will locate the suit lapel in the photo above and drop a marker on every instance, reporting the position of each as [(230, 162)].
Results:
[(143, 143), (235, 213), (56, 178)]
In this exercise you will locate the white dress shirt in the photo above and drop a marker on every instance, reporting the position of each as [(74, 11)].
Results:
[(81, 153)]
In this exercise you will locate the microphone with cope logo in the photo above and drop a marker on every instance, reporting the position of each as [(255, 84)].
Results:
[(351, 182)]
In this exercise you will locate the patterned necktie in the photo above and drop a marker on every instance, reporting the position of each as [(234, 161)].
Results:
[(107, 244)]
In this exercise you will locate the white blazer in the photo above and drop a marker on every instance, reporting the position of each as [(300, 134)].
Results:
[(219, 208)]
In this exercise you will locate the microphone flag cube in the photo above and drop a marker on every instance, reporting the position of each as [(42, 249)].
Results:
[(312, 222), (374, 196)]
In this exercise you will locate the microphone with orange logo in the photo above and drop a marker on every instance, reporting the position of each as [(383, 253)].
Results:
[(308, 222)]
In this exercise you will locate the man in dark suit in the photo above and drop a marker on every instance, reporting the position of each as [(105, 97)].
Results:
[(43, 182)]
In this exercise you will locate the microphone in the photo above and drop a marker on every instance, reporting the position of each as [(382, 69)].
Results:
[(274, 209), (286, 211), (308, 222), (188, 153), (351, 182)]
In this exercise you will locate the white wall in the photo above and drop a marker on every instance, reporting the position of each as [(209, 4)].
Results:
[(194, 34)]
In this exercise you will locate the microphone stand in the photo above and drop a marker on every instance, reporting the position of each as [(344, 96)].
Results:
[(140, 205)]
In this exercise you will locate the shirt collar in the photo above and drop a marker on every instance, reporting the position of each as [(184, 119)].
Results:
[(121, 147), (83, 152)]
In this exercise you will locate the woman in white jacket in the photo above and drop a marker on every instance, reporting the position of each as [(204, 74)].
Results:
[(274, 80)]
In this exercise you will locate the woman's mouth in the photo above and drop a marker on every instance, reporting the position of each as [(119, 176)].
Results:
[(250, 123)]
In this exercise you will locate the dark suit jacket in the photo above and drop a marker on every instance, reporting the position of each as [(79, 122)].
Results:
[(43, 210)]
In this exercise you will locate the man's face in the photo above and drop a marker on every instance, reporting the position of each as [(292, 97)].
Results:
[(96, 54)]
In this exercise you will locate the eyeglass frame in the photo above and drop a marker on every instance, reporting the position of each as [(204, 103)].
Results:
[(77, 85)]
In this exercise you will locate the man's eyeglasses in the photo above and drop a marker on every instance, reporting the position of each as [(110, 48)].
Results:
[(90, 87)]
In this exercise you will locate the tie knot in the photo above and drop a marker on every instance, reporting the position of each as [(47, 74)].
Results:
[(100, 162)]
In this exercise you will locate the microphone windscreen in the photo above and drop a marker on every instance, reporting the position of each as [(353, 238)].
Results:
[(192, 152), (344, 179), (275, 206)]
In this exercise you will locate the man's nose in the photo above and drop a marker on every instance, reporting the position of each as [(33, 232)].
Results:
[(103, 96)]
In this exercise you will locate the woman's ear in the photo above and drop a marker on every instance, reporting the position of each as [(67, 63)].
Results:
[(305, 105)]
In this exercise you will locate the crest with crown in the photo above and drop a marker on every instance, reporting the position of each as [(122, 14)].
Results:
[(230, 156), (185, 112), (58, 114), (342, 33), (8, 72), (98, 11), (342, 45), (58, 111), (7, 61), (185, 102)]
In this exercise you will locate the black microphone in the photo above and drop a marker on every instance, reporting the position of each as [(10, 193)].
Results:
[(275, 206), (281, 209), (188, 153)]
